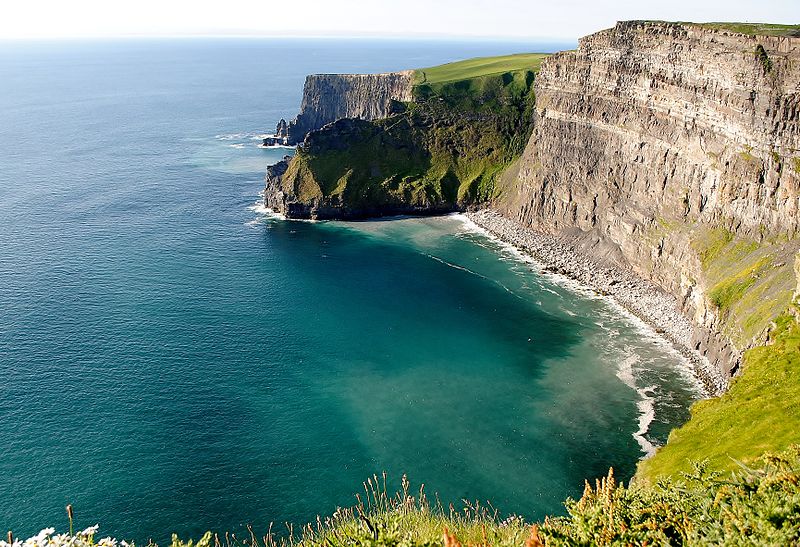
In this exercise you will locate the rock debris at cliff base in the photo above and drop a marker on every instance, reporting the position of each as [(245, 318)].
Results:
[(646, 301)]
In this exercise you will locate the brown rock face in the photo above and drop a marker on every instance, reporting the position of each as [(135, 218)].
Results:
[(331, 97), (651, 132)]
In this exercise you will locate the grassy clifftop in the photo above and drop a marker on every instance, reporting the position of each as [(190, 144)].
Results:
[(750, 286), (748, 29), (753, 29), (444, 150), (477, 68)]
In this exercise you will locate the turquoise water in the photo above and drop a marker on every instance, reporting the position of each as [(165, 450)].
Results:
[(173, 359)]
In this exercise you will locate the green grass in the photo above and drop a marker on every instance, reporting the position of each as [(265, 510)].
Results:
[(760, 412), (746, 281), (752, 29), (732, 289), (747, 153), (710, 247), (482, 66)]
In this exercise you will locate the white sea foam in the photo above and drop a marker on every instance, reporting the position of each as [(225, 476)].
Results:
[(548, 289), (238, 146), (265, 212), (510, 250), (276, 146), (625, 371), (647, 413), (646, 403)]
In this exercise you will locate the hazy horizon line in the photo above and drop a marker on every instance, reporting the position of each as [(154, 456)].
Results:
[(293, 36)]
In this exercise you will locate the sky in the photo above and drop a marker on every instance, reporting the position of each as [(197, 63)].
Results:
[(383, 18)]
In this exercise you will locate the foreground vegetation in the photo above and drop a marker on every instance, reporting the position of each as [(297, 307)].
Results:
[(752, 506)]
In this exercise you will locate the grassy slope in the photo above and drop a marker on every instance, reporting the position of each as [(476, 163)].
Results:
[(760, 412), (466, 124), (750, 284), (481, 66)]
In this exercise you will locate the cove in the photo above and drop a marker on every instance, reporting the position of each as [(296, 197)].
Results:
[(173, 361)]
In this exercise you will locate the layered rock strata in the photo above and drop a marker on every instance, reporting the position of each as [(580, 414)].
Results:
[(651, 134), (331, 97)]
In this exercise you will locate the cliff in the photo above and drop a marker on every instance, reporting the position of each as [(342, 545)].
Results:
[(670, 150), (674, 150), (331, 97), (440, 151)]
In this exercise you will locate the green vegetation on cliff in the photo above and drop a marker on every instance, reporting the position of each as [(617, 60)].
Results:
[(749, 286), (753, 29), (481, 66), (444, 150), (749, 282), (760, 411)]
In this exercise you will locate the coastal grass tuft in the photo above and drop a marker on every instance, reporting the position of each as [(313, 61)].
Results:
[(759, 505)]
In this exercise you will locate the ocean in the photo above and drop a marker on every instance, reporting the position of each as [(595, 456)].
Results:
[(175, 359)]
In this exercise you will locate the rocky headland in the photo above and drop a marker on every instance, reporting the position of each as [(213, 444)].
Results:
[(331, 97)]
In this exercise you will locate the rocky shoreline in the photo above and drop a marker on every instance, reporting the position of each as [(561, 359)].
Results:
[(642, 298)]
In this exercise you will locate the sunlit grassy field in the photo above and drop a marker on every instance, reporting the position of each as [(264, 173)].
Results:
[(482, 66)]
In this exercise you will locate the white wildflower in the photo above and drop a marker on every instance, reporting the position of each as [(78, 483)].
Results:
[(90, 531), (84, 538)]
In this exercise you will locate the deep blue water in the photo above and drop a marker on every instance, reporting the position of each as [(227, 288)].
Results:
[(173, 360)]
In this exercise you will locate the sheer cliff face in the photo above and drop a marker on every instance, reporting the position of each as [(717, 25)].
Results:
[(331, 97), (652, 141)]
